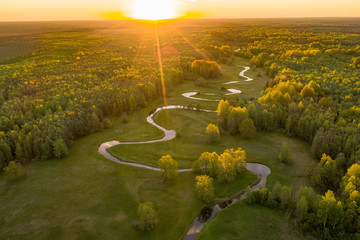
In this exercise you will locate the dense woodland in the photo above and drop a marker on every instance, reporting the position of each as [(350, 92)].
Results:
[(70, 85), (314, 94)]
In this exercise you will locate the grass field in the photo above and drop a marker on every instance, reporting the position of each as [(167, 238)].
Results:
[(12, 48), (86, 196), (189, 145), (250, 222)]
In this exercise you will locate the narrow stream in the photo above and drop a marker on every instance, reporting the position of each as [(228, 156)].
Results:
[(191, 95), (258, 169), (169, 135)]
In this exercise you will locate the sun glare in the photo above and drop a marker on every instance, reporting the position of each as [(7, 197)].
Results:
[(154, 10)]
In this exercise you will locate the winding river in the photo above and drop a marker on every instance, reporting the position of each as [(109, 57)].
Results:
[(258, 169)]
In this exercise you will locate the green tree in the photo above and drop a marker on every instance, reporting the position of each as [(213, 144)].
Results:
[(226, 50), (94, 124), (147, 216), (222, 112), (107, 123), (307, 91), (235, 116), (206, 163), (276, 190), (247, 128), (274, 195), (326, 173), (13, 170), (285, 197), (350, 185), (310, 196), (19, 152), (2, 160), (60, 149), (302, 207), (329, 212), (226, 170), (213, 132), (206, 69), (238, 160), (168, 167), (6, 153), (204, 187), (285, 155)]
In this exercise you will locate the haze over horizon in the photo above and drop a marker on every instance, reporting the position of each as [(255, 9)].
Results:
[(41, 10)]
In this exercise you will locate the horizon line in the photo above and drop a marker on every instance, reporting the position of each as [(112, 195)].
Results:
[(204, 18)]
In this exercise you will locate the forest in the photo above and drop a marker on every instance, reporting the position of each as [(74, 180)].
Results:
[(313, 94), (71, 85)]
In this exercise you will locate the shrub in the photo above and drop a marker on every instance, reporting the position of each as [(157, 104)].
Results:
[(147, 216), (285, 154), (13, 170), (200, 82), (107, 123), (206, 69), (212, 131), (247, 128), (60, 149)]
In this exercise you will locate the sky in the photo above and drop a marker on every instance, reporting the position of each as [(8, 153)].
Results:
[(37, 10)]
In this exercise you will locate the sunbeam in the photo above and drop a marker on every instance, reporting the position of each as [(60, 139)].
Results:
[(160, 64)]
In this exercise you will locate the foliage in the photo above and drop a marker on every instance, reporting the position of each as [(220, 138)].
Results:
[(326, 173), (247, 128), (60, 149), (168, 167), (206, 69), (70, 84), (285, 155), (106, 123), (311, 84), (224, 167), (235, 119), (222, 110), (147, 216), (226, 170), (330, 212), (13, 170), (302, 207), (201, 82), (204, 187), (223, 53), (207, 163), (350, 184), (213, 132)]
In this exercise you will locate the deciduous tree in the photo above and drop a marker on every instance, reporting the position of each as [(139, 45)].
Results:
[(147, 216), (212, 131), (285, 155), (13, 170), (168, 167), (204, 187)]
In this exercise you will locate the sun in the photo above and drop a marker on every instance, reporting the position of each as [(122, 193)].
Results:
[(153, 9)]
